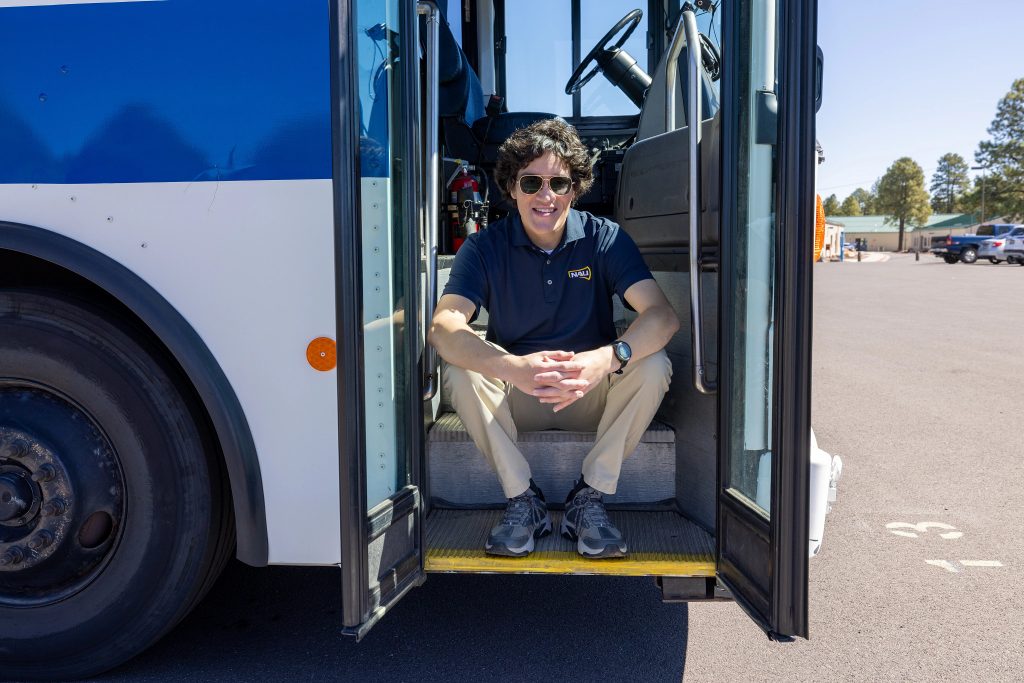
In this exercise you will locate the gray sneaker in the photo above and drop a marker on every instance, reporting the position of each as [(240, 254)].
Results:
[(526, 518), (586, 522)]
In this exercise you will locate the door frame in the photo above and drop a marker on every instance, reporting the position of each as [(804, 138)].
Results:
[(362, 605), (765, 568)]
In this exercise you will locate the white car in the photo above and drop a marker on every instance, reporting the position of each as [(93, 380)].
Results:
[(994, 248), (1014, 247)]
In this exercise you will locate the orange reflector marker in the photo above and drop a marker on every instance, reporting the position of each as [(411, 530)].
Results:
[(322, 354), (819, 227)]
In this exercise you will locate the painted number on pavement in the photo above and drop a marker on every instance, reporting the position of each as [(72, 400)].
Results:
[(960, 565), (945, 531), (908, 530)]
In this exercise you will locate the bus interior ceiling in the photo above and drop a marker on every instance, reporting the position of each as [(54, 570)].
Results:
[(666, 499)]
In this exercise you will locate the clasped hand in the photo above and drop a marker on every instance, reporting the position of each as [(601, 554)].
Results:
[(560, 377)]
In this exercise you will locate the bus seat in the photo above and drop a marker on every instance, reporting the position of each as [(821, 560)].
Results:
[(491, 131)]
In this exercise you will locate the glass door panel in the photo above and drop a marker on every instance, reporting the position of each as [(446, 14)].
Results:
[(385, 247), (753, 315)]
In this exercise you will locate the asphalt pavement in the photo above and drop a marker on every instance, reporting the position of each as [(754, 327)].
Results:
[(918, 372), (917, 385)]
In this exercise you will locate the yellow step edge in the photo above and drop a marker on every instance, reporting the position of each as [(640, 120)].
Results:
[(562, 562)]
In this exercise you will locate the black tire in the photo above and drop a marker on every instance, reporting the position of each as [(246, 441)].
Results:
[(994, 261), (968, 254), (950, 259), (164, 543)]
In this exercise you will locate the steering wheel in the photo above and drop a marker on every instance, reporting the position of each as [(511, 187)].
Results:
[(578, 80)]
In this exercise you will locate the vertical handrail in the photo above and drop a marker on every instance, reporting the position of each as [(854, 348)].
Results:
[(671, 76), (433, 172), (693, 121)]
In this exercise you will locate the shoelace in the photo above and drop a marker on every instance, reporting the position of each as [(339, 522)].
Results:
[(594, 512), (519, 511)]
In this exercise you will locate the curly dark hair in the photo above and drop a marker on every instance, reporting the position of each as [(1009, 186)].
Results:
[(549, 135)]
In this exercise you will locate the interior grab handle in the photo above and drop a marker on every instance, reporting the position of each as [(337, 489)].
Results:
[(693, 120), (433, 205)]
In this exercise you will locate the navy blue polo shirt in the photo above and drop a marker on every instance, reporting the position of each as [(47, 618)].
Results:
[(539, 302)]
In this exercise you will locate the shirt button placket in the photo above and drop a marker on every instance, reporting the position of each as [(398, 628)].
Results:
[(549, 289)]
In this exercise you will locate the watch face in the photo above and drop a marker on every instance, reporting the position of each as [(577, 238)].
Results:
[(622, 351)]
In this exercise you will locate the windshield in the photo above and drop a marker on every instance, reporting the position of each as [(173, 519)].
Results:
[(539, 54)]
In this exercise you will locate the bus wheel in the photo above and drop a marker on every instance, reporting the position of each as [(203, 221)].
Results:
[(113, 519)]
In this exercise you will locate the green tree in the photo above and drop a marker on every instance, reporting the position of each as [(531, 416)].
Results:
[(949, 183), (902, 197), (1003, 156), (850, 207), (866, 200), (831, 205), (970, 202)]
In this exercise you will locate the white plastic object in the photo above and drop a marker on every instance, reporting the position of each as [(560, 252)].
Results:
[(821, 468), (822, 489)]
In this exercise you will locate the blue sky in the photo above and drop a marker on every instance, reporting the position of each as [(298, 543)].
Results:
[(911, 78)]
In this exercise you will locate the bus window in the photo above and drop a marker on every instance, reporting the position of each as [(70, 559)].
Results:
[(535, 79), (601, 98)]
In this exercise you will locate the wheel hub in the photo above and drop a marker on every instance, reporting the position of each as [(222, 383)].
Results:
[(16, 495), (61, 496), (34, 494)]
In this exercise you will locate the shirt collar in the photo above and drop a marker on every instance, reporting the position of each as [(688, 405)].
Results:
[(573, 230)]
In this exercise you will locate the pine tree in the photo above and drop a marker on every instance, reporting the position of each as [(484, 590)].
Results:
[(850, 207), (866, 200), (902, 197), (1003, 156), (949, 183), (831, 205)]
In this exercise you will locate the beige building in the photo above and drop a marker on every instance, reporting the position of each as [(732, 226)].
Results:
[(833, 247), (881, 236)]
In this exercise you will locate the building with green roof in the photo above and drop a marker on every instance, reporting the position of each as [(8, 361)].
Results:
[(882, 236)]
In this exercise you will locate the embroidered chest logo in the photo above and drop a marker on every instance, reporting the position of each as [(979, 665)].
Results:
[(580, 274)]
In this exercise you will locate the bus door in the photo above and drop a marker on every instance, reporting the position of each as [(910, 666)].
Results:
[(382, 300), (768, 162)]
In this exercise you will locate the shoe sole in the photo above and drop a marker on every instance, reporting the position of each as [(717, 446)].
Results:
[(605, 551), (522, 551)]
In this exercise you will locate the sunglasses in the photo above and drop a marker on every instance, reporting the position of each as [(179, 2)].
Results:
[(532, 184)]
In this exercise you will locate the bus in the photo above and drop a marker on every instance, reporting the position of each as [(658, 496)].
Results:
[(224, 225)]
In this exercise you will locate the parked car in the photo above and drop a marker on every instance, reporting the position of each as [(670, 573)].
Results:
[(994, 248), (965, 248), (1014, 247)]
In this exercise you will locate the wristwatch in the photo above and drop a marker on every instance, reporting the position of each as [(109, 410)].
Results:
[(622, 352)]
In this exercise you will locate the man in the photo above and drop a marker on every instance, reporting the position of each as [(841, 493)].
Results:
[(546, 275)]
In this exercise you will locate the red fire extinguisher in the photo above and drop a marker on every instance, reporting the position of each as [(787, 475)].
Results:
[(464, 193)]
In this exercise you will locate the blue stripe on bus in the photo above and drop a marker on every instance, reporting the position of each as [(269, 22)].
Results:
[(181, 90)]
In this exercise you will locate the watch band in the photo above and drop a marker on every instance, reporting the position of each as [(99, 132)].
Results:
[(617, 346)]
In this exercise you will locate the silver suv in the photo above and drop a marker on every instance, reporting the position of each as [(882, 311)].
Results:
[(1014, 247), (995, 248)]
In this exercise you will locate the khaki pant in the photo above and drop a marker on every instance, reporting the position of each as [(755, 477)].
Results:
[(619, 410)]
